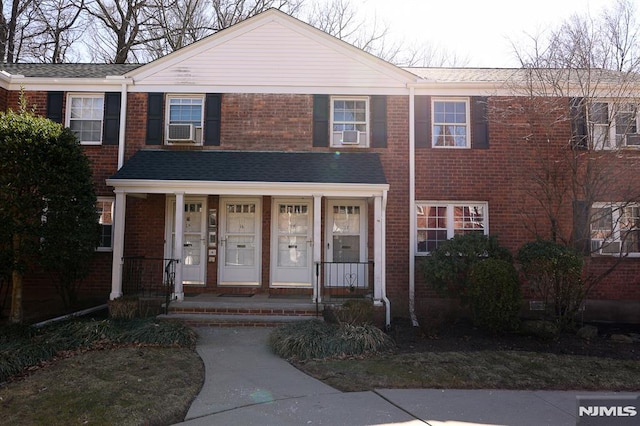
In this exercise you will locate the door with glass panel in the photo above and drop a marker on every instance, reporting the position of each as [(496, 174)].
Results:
[(240, 241), (291, 262), (346, 254), (193, 256)]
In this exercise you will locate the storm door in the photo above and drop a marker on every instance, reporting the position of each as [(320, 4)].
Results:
[(240, 241), (193, 256), (346, 253), (291, 243)]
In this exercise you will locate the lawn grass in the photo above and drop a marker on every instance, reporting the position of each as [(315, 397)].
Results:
[(477, 370), (100, 372)]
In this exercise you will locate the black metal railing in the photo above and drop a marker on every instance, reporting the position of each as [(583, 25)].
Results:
[(149, 278), (344, 280)]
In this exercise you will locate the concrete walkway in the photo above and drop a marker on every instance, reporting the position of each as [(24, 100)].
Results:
[(246, 384)]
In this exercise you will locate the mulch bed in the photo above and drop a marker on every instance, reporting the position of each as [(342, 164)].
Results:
[(461, 335)]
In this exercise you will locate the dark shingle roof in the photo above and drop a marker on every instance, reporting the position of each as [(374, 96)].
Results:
[(252, 166), (68, 70)]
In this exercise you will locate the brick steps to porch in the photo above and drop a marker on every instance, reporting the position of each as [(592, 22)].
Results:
[(240, 312)]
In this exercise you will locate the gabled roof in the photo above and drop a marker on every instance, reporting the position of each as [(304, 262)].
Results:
[(253, 166)]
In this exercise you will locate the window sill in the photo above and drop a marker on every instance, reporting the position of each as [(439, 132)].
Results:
[(104, 249)]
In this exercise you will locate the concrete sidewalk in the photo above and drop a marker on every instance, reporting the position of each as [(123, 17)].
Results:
[(246, 384)]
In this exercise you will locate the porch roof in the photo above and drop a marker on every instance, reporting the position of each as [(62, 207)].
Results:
[(252, 166)]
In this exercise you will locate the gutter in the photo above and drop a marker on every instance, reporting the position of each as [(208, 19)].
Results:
[(412, 208), (385, 299)]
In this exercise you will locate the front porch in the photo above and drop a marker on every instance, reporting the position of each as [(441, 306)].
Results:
[(318, 234)]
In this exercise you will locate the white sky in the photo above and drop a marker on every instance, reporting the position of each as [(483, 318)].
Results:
[(478, 30)]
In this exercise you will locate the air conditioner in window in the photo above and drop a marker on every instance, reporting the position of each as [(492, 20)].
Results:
[(633, 139), (181, 133), (350, 137), (601, 246)]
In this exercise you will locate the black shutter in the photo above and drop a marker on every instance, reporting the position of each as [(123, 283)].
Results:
[(578, 117), (378, 121), (54, 106), (213, 112), (581, 227), (422, 112), (320, 120), (154, 119), (480, 129), (111, 124)]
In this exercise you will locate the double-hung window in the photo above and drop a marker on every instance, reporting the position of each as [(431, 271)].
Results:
[(184, 119), (615, 229), (450, 123), (440, 221), (350, 121), (104, 207), (614, 125), (84, 117)]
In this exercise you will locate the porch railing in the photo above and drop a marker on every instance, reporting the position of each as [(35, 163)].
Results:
[(344, 280), (149, 278)]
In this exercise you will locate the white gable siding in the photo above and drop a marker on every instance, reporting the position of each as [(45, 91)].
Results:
[(273, 55)]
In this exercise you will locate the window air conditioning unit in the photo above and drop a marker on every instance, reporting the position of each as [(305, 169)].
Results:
[(350, 137), (605, 247), (633, 139), (180, 133)]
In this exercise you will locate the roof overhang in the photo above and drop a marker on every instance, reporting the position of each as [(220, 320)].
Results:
[(217, 172)]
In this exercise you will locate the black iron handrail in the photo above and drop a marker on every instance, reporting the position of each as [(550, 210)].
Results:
[(149, 277), (343, 280)]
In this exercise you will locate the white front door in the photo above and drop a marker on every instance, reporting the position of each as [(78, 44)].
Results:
[(240, 241), (346, 227), (291, 254), (194, 256)]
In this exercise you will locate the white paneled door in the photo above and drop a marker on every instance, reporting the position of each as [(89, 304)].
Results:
[(240, 241), (291, 249), (346, 227), (193, 256)]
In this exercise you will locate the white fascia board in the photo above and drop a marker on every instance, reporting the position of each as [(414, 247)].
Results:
[(68, 85), (290, 90), (247, 188)]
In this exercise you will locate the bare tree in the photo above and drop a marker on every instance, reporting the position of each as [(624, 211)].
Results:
[(579, 190), (230, 12), (13, 27), (119, 28), (55, 30), (177, 23)]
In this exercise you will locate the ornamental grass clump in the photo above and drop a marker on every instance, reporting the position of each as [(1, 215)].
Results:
[(316, 339)]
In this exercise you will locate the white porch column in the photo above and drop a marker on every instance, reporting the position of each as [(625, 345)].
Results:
[(178, 248), (118, 244), (378, 243), (317, 239)]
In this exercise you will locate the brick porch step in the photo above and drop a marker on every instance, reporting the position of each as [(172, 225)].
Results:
[(235, 320)]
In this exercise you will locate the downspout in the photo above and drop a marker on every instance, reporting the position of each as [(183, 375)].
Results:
[(412, 207), (385, 299), (123, 125)]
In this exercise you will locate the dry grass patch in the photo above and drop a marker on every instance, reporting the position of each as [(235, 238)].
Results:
[(477, 370), (125, 386)]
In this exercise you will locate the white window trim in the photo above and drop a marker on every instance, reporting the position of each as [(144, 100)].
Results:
[(432, 123), (611, 127), (113, 203), (68, 113), (366, 99), (450, 218), (199, 140), (615, 224)]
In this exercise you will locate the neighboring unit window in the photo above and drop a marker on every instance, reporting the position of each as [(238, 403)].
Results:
[(104, 207), (184, 121), (349, 122), (438, 222), (85, 114), (450, 120), (614, 125), (615, 229)]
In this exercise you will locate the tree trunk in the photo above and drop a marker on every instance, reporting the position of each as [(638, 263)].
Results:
[(16, 281)]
